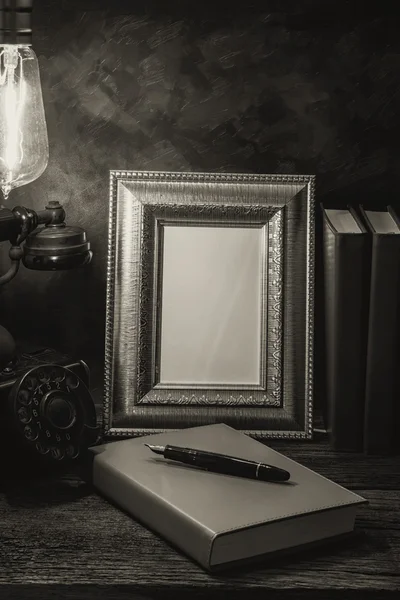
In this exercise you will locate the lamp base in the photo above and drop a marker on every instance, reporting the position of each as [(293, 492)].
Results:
[(7, 347)]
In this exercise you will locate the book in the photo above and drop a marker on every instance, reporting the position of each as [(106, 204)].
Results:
[(382, 373), (347, 268), (221, 520)]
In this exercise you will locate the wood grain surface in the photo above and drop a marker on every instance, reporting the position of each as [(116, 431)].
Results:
[(59, 539)]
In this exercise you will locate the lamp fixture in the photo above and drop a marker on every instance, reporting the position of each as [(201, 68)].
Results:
[(41, 239), (24, 154)]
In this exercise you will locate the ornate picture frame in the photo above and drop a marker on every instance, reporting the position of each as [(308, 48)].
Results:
[(275, 210)]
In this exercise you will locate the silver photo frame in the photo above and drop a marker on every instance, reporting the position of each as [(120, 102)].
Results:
[(209, 317)]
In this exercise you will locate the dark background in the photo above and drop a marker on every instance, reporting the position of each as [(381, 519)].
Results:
[(270, 87)]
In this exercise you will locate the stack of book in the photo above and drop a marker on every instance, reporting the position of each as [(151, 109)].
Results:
[(362, 318)]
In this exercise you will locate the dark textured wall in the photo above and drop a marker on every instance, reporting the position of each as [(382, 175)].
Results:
[(268, 87)]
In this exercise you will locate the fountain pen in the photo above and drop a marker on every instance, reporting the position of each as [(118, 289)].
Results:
[(220, 463)]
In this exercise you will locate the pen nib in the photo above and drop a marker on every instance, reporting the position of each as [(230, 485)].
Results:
[(156, 449)]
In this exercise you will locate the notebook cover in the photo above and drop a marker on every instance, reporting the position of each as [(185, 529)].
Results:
[(191, 507), (382, 390), (347, 260)]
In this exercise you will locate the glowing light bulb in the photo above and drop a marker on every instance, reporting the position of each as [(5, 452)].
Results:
[(24, 149)]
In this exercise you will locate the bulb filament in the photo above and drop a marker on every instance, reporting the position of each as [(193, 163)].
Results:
[(11, 77)]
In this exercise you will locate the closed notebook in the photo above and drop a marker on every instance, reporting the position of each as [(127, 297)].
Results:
[(219, 520), (382, 376), (347, 266)]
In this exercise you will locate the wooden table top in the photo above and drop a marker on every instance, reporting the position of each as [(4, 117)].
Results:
[(58, 538)]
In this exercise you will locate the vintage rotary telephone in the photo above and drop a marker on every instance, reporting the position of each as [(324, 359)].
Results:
[(48, 415), (46, 411)]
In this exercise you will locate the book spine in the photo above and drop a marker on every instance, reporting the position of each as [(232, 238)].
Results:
[(152, 511), (383, 346), (346, 273)]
